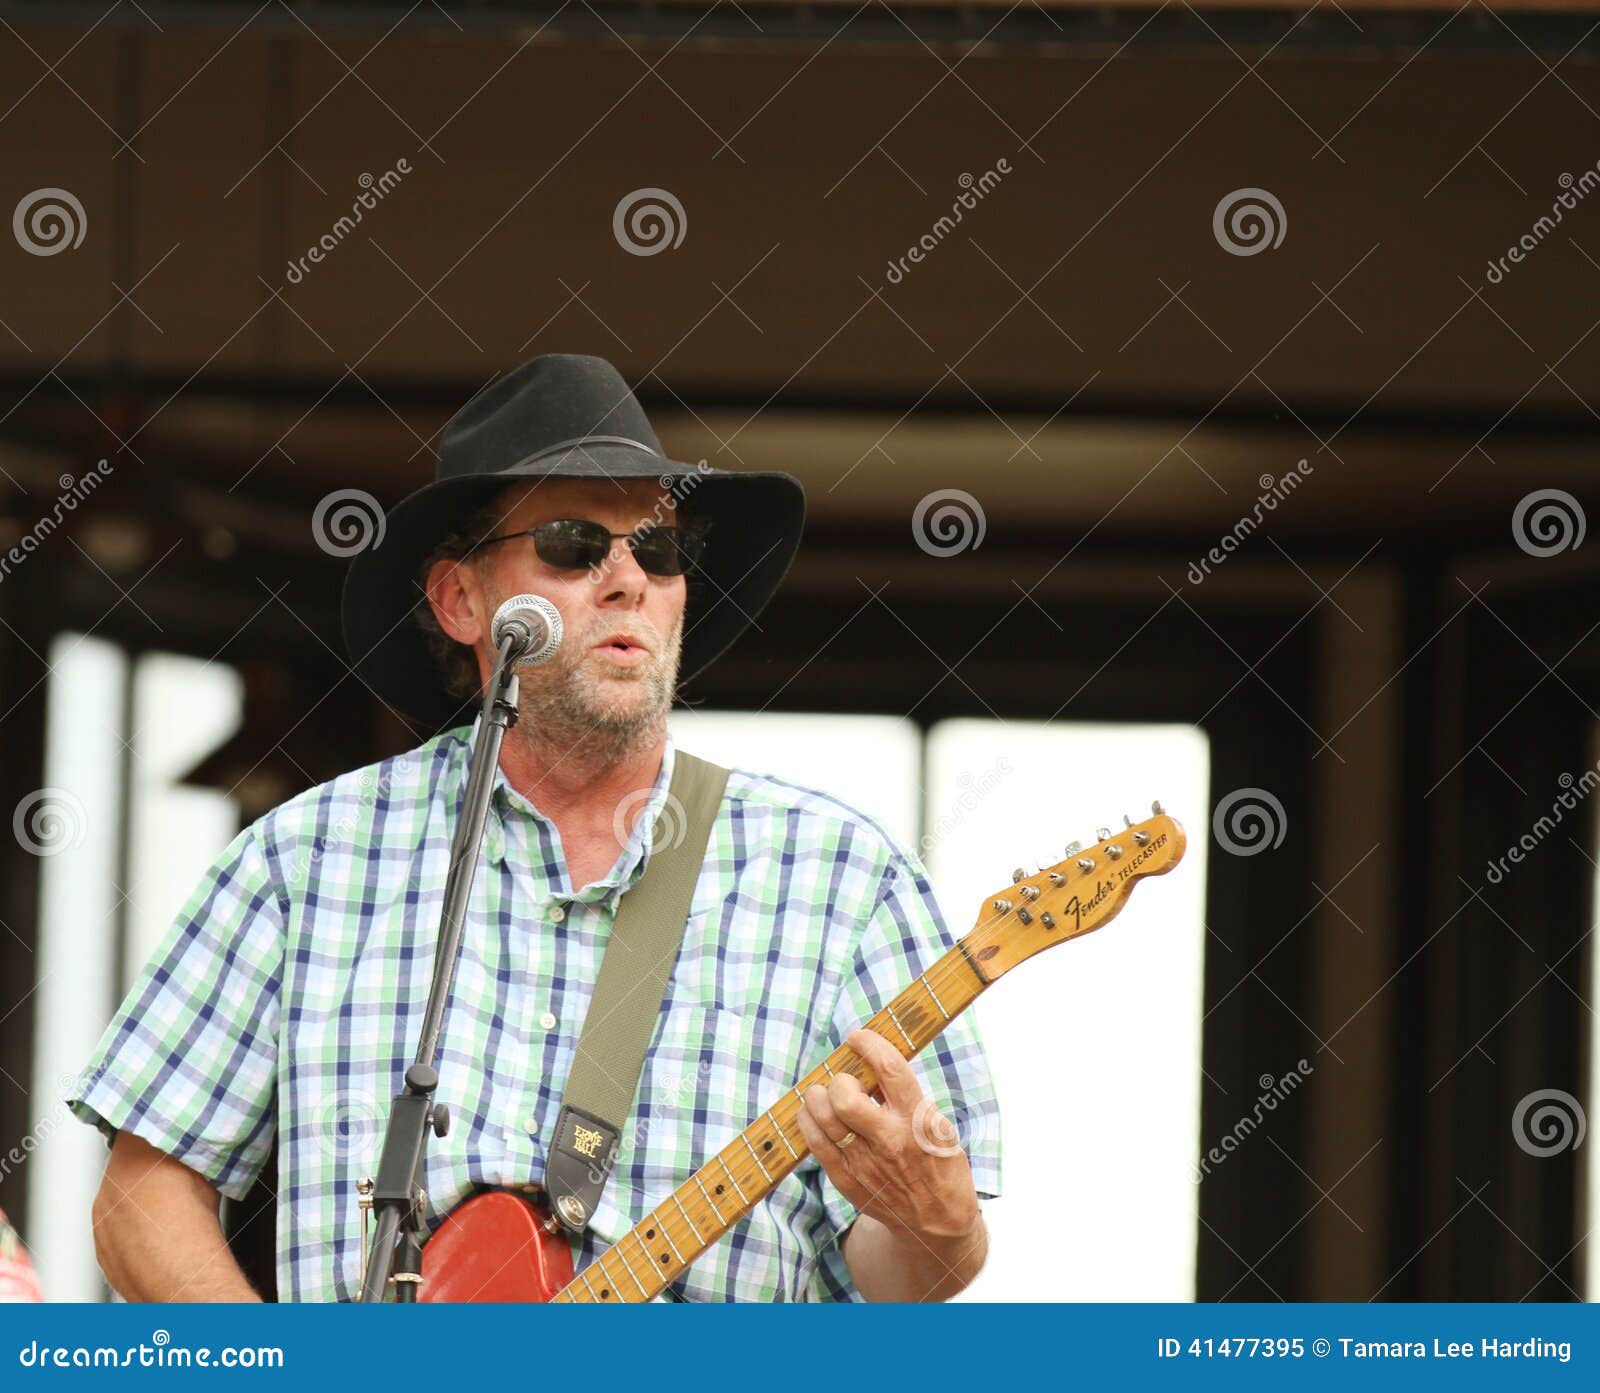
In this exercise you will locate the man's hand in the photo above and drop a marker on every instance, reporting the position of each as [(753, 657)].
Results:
[(921, 1235)]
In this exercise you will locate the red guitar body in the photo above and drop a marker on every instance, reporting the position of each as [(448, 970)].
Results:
[(495, 1247)]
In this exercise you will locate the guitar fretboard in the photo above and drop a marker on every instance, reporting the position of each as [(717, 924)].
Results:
[(662, 1245)]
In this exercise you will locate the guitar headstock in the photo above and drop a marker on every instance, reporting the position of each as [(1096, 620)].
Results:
[(1073, 897)]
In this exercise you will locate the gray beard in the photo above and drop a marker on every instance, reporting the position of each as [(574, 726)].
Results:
[(560, 703)]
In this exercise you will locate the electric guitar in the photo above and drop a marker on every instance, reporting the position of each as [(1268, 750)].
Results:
[(501, 1246)]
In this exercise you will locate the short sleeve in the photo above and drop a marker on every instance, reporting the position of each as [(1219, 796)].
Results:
[(905, 936), (189, 1062)]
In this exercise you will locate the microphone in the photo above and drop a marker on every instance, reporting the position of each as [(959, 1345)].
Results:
[(534, 626)]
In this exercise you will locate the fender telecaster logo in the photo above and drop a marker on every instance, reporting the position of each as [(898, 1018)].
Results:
[(1077, 907)]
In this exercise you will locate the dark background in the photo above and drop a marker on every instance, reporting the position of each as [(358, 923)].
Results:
[(1080, 354)]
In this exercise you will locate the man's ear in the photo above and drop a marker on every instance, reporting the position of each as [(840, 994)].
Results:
[(457, 598)]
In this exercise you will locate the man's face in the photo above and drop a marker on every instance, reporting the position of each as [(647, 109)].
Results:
[(593, 682)]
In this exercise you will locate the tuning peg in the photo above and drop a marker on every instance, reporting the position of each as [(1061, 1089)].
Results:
[(1085, 863), (1140, 838), (1156, 808), (1073, 848), (1004, 906), (1029, 892), (1056, 878), (1101, 833), (1126, 820), (1017, 875)]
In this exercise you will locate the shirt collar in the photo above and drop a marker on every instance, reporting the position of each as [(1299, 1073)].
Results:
[(507, 806)]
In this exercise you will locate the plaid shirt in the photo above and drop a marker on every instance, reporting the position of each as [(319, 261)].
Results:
[(284, 1005)]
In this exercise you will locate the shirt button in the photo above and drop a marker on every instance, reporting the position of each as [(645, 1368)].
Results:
[(531, 1124), (547, 1021), (555, 914)]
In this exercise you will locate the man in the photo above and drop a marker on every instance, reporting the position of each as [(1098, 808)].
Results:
[(284, 1006)]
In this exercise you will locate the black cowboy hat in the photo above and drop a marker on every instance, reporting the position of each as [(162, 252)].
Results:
[(566, 416)]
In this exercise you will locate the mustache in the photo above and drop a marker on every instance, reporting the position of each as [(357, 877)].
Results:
[(646, 635)]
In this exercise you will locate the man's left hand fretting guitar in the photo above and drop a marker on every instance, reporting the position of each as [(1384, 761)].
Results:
[(500, 1246)]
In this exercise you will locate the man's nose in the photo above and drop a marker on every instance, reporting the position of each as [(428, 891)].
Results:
[(619, 576)]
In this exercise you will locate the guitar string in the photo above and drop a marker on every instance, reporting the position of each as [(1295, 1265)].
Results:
[(949, 968)]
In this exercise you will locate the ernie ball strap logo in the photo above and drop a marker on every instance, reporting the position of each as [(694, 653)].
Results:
[(467, 1257), (585, 1137), (584, 1141)]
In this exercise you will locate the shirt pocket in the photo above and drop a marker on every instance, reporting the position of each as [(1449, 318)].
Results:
[(710, 1073), (693, 1099), (716, 1070)]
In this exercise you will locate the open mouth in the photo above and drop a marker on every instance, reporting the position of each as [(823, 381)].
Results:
[(622, 648)]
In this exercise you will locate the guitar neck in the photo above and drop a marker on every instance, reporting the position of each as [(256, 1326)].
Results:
[(658, 1249)]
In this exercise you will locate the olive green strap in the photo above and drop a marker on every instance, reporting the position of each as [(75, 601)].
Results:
[(621, 1022)]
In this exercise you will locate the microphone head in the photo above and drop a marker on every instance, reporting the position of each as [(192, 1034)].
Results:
[(534, 623)]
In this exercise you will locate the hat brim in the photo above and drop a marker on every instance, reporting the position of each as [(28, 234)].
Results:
[(756, 517)]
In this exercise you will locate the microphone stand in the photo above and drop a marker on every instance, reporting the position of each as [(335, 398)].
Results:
[(396, 1198)]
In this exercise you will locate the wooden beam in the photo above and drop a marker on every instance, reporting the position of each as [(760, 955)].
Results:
[(1391, 6)]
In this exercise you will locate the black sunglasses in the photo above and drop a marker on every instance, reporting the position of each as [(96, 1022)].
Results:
[(577, 544)]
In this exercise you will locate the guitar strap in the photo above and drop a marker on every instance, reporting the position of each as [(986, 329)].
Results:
[(645, 938)]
